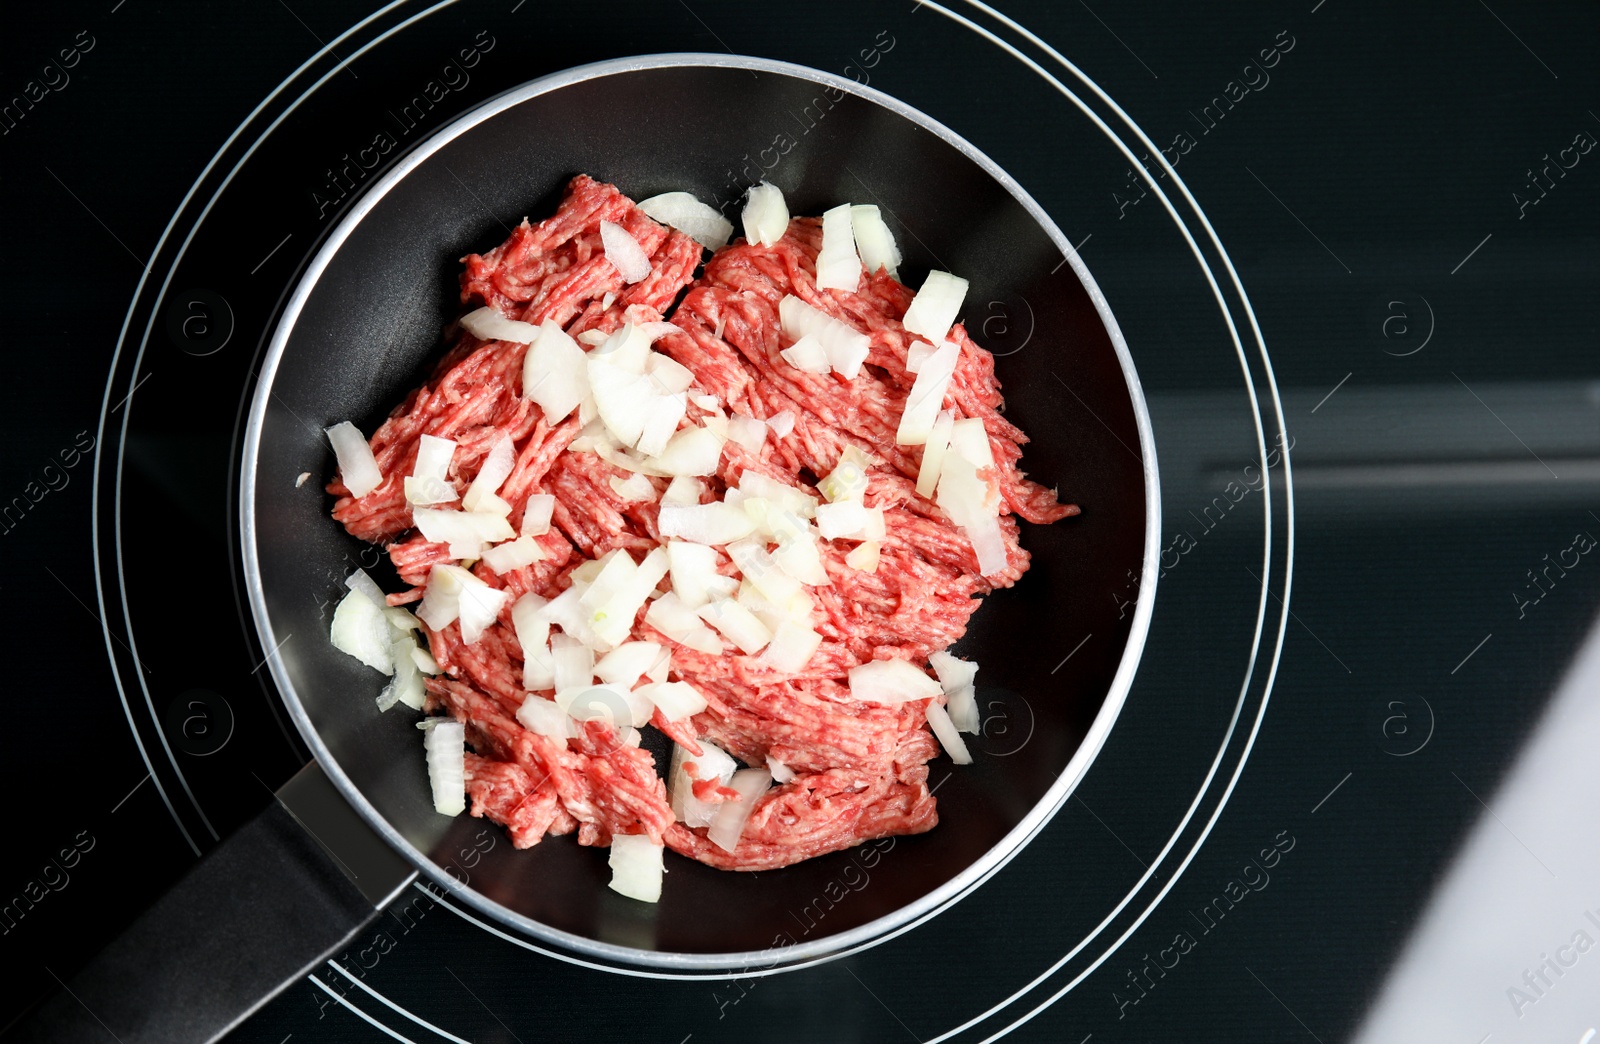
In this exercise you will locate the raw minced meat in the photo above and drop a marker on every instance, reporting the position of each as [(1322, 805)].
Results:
[(860, 768)]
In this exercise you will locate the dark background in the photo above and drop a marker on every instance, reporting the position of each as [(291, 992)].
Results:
[(1398, 144)]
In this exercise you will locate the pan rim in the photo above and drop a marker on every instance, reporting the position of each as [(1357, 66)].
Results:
[(829, 947)]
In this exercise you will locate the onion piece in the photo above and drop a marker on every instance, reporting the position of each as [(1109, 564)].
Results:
[(731, 818), (358, 468), (684, 489), (360, 581), (536, 514), (934, 308), (737, 624), (758, 567), (682, 624), (790, 499), (845, 346), (624, 665), (890, 681), (781, 773), (714, 523), (532, 628), (361, 630), (573, 665), (633, 489), (636, 867), (492, 473), (425, 661), (445, 743), (848, 479), (792, 646), (694, 572), (949, 738), (874, 242), (712, 763), (933, 452), (668, 372), (624, 398), (798, 554), (513, 554), (864, 557), (765, 215), (661, 419), (918, 354), (624, 252), (486, 324), (842, 520), (429, 480), (479, 607), (554, 374), (781, 423), (927, 395), (441, 599), (838, 267), (971, 500), (544, 716), (692, 452), (807, 354), (693, 218), (747, 432), (465, 531), (675, 700), (407, 686)]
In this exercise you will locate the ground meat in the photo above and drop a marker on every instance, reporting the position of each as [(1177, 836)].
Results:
[(860, 768)]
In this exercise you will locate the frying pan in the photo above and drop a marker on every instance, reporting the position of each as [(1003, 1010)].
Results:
[(362, 328)]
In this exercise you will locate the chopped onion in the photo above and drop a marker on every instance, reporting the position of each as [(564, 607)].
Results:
[(933, 452), (361, 630), (747, 432), (934, 308), (848, 479), (842, 520), (624, 665), (486, 324), (657, 671), (624, 398), (441, 599), (407, 686), (970, 500), (636, 867), (675, 700), (536, 514), (594, 335), (480, 605), (360, 581), (533, 635), (682, 624), (781, 423), (927, 395), (573, 665), (781, 773), (610, 600), (845, 346), (605, 703), (662, 415), (792, 646), (737, 624), (874, 242), (799, 556), (890, 681), (714, 523), (729, 823), (400, 620), (684, 489), (791, 499), (492, 473), (668, 372), (796, 608), (693, 218), (712, 763), (864, 558), (357, 466), (425, 661), (544, 716), (838, 267), (807, 354), (918, 354), (429, 482), (694, 572), (513, 554), (765, 215), (634, 488), (949, 738), (692, 451), (465, 531), (956, 677), (758, 567), (623, 251), (571, 616), (554, 374), (445, 744)]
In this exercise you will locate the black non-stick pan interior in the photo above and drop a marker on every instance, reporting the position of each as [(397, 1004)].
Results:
[(370, 325)]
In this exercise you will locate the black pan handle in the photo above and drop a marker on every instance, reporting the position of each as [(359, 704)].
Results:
[(258, 912)]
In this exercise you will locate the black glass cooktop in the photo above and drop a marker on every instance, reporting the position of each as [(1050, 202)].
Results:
[(1353, 251)]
